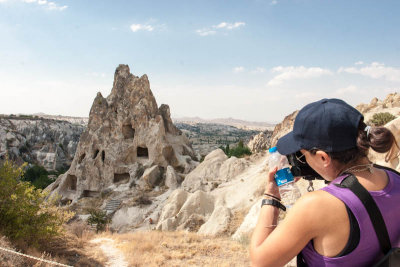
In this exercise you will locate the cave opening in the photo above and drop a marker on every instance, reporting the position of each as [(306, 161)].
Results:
[(128, 131), (121, 178), (142, 152), (89, 193), (71, 182)]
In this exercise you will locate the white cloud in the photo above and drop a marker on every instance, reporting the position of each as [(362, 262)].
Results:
[(205, 32), (375, 70), (229, 26), (274, 2), (142, 27), (48, 4), (223, 26), (347, 90), (238, 69), (292, 72), (359, 63)]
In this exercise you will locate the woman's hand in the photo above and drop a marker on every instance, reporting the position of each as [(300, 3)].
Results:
[(271, 187)]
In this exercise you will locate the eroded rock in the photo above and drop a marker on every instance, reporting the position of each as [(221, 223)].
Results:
[(127, 133)]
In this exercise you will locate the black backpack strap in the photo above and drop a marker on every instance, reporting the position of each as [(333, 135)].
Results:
[(374, 213)]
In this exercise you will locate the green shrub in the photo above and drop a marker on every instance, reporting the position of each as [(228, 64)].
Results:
[(38, 176), (24, 212), (99, 218), (380, 119), (239, 151)]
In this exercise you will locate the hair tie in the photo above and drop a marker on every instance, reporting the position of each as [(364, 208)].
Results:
[(367, 129)]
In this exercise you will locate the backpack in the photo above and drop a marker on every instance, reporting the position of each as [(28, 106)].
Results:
[(391, 255)]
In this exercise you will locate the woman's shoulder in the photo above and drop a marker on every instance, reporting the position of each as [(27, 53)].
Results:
[(319, 204)]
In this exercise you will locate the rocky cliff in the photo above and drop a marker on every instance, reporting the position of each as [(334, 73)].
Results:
[(128, 145), (46, 142), (260, 142)]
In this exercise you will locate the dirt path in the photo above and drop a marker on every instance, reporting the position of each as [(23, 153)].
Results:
[(115, 257)]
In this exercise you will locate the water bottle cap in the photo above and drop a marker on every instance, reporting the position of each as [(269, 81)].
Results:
[(272, 149)]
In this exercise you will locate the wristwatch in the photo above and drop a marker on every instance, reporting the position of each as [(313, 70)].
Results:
[(273, 202)]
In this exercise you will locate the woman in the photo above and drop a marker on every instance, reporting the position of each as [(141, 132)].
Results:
[(327, 226)]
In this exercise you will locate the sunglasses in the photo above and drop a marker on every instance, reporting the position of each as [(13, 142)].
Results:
[(300, 157)]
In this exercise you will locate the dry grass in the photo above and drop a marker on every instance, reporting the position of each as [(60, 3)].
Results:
[(155, 248), (72, 248), (235, 221)]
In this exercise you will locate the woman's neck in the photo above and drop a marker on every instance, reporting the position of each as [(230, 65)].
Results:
[(361, 165)]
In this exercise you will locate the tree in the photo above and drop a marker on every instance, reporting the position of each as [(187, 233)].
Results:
[(25, 214), (37, 176)]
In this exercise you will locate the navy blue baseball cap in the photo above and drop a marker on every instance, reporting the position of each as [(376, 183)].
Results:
[(330, 125)]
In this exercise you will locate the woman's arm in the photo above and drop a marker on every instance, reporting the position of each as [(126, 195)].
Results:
[(276, 247)]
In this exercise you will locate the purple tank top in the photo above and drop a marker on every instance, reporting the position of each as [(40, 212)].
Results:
[(368, 250)]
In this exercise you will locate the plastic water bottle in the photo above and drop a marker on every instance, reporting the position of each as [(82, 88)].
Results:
[(284, 178)]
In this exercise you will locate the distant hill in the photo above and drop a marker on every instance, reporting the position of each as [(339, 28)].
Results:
[(241, 124)]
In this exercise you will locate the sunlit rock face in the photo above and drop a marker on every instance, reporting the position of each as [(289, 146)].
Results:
[(127, 133)]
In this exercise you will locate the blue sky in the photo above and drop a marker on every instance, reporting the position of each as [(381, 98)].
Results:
[(253, 59)]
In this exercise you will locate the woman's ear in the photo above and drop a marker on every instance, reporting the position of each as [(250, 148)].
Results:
[(324, 158)]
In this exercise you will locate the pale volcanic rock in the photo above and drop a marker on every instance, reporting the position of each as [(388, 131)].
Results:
[(46, 142), (125, 129), (171, 178), (183, 209), (152, 176), (283, 128), (390, 104), (205, 173), (260, 142), (218, 223)]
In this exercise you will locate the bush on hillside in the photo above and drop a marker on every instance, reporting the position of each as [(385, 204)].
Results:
[(39, 176), (380, 119), (25, 214), (239, 151), (99, 218)]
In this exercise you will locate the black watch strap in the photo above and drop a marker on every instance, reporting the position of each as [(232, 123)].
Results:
[(273, 202)]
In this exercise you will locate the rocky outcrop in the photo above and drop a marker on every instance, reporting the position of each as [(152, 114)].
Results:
[(283, 128), (128, 141), (214, 170), (390, 104), (49, 143), (260, 142)]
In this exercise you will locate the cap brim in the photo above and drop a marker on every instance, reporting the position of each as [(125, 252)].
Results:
[(287, 144)]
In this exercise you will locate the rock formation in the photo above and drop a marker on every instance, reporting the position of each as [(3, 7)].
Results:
[(49, 143), (129, 142), (283, 128), (390, 104), (260, 142)]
